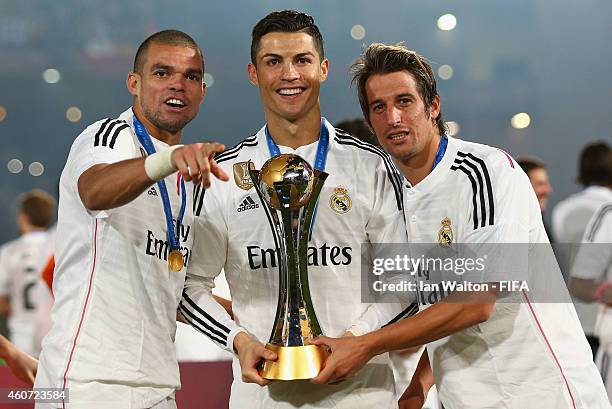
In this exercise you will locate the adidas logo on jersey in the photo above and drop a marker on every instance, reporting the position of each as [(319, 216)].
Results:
[(152, 191), (247, 204)]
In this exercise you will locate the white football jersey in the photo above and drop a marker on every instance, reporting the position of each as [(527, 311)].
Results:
[(18, 278), (594, 262), (570, 218), (360, 203), (115, 297), (528, 355)]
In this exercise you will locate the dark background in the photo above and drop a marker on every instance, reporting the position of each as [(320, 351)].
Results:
[(550, 58)]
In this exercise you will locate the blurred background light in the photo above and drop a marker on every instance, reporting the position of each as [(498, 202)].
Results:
[(51, 76), (520, 120), (209, 80), (358, 32), (447, 22), (36, 169), (445, 72), (73, 114), (15, 166), (453, 128)]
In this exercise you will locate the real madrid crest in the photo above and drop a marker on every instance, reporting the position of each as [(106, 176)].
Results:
[(340, 201), (241, 175), (445, 234)]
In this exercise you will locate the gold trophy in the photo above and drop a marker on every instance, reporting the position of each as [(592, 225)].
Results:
[(288, 188)]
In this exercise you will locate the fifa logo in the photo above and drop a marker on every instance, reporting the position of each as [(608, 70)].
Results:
[(241, 175)]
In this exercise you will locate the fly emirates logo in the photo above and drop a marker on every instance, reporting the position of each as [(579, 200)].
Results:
[(160, 247), (324, 255)]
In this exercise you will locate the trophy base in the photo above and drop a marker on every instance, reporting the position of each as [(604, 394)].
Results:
[(301, 362)]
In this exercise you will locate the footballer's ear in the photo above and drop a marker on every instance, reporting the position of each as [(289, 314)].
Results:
[(133, 83), (434, 108), (324, 69), (252, 71)]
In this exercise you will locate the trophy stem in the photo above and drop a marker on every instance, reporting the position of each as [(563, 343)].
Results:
[(303, 248)]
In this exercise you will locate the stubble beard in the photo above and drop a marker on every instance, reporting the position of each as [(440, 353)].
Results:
[(157, 119)]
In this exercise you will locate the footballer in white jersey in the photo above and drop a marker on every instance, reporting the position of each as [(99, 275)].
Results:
[(592, 269), (526, 349), (18, 279), (114, 320), (482, 352), (356, 207), (123, 240)]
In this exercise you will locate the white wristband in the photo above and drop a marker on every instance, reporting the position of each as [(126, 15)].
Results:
[(159, 165)]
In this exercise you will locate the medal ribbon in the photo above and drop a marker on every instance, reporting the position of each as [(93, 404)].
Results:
[(147, 144), (320, 159)]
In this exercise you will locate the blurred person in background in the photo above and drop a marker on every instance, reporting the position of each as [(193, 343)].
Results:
[(19, 271), (571, 216), (358, 128), (538, 176), (591, 281)]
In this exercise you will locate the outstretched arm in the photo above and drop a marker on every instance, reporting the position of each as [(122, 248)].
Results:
[(106, 186)]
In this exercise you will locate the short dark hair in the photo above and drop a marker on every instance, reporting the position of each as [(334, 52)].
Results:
[(38, 206), (286, 21), (166, 37), (358, 128), (595, 165), (385, 59), (529, 163)]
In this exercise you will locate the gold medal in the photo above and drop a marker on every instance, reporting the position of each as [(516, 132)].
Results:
[(175, 261)]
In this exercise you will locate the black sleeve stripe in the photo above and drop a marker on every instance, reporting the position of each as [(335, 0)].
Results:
[(474, 193), (108, 127), (388, 161), (225, 158), (198, 199), (483, 166), (111, 127), (477, 173), (204, 314), (481, 193), (391, 170), (115, 134), (408, 312), (250, 141), (191, 319), (597, 223), (102, 128)]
